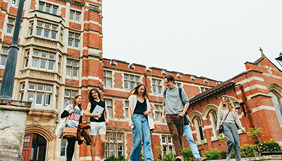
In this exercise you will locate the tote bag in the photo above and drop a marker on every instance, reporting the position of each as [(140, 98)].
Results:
[(60, 127)]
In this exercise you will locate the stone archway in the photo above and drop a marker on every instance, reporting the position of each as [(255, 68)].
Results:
[(35, 142), (208, 108)]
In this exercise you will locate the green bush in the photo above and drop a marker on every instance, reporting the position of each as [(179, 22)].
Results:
[(168, 157), (223, 154), (247, 151), (269, 146), (212, 154), (187, 154), (113, 158)]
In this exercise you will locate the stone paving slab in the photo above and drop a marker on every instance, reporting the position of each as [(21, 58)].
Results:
[(263, 158)]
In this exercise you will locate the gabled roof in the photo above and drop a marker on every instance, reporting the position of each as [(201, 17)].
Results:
[(213, 90), (262, 57)]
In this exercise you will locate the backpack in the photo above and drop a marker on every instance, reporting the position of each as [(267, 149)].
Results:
[(180, 94)]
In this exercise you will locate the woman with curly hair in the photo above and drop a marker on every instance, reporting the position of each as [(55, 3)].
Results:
[(98, 121), (230, 120)]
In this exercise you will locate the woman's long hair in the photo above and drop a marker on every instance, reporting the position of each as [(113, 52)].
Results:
[(74, 101), (135, 92), (229, 104), (136, 88), (90, 97)]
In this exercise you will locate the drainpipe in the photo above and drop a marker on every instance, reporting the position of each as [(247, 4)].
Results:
[(246, 104)]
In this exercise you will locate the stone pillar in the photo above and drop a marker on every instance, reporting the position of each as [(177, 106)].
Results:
[(12, 127)]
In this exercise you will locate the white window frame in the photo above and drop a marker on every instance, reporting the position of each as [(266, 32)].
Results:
[(44, 27), (110, 107), (45, 97), (74, 38), (158, 112), (11, 25), (157, 86), (72, 67), (130, 81), (39, 58), (107, 78), (112, 138), (3, 56), (168, 145), (68, 98), (76, 15), (52, 7), (126, 107)]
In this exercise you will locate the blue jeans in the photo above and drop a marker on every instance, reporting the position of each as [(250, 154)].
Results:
[(192, 144), (141, 131)]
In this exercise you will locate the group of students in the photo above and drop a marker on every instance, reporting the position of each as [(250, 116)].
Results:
[(175, 105), (98, 121)]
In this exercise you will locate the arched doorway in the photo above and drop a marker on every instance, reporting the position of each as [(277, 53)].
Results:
[(34, 147)]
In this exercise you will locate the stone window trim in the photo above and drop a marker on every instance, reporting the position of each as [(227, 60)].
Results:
[(48, 8), (45, 30), (158, 108), (115, 143), (110, 107), (126, 106), (276, 100), (213, 119), (28, 55), (157, 86), (197, 121), (130, 81), (193, 78), (75, 15), (63, 148), (3, 56), (69, 95), (72, 68), (14, 2), (40, 60), (73, 39), (203, 89), (167, 144), (39, 94), (10, 25), (107, 75)]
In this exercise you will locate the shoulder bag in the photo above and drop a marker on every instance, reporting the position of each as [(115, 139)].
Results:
[(221, 126)]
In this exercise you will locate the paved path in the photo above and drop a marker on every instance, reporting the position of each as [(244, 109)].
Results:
[(263, 158)]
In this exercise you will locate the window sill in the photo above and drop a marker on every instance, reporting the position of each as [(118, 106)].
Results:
[(72, 78), (43, 38), (36, 70), (43, 111), (47, 71), (52, 14)]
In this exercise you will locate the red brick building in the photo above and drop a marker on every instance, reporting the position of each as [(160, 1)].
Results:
[(61, 55)]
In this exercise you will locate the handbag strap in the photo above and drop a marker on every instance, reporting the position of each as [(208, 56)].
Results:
[(225, 117)]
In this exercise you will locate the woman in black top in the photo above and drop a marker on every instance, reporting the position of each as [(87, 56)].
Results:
[(138, 112), (97, 120)]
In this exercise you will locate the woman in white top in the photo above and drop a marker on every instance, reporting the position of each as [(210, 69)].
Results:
[(139, 113), (74, 111), (230, 120)]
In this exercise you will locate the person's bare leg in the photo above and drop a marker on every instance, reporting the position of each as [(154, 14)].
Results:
[(93, 142), (103, 144)]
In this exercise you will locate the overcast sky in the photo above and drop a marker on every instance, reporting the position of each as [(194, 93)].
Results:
[(211, 38)]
